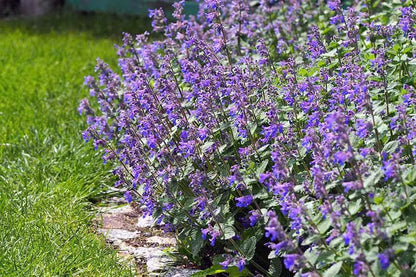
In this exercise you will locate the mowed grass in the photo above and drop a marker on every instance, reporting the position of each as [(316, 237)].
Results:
[(48, 175)]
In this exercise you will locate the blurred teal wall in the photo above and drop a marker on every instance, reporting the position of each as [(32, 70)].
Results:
[(133, 7)]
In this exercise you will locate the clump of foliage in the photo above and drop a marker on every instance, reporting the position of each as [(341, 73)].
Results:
[(282, 124)]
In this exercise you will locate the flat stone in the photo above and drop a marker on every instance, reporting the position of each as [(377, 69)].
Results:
[(117, 221), (147, 234), (126, 257), (180, 272), (118, 234), (125, 247), (159, 264), (126, 209), (145, 222), (161, 240), (115, 201), (148, 252), (136, 239)]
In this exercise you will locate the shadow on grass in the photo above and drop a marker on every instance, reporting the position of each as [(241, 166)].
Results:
[(98, 25)]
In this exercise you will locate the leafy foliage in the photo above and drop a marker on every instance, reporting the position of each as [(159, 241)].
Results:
[(286, 124)]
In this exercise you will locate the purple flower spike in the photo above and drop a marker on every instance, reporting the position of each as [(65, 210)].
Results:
[(385, 258), (226, 262), (128, 196), (244, 201), (241, 264), (293, 262)]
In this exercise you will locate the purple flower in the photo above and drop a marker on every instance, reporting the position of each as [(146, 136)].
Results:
[(269, 132), (128, 196), (214, 235), (341, 157), (388, 169), (352, 185), (159, 20), (407, 22), (226, 262), (365, 152), (352, 237), (275, 231), (293, 262), (84, 107), (290, 260), (254, 217), (241, 264), (358, 266), (278, 246), (363, 127), (232, 179), (264, 177), (334, 5), (205, 233), (244, 201), (203, 133), (385, 258), (384, 261)]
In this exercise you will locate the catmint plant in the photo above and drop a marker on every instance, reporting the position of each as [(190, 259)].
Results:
[(274, 137)]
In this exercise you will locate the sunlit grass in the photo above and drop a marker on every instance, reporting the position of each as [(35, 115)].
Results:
[(47, 174)]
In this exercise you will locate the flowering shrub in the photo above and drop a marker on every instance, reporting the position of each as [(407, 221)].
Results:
[(271, 131)]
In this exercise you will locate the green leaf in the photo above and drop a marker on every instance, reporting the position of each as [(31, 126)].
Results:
[(311, 256), (333, 270), (260, 193), (396, 227), (275, 268), (233, 271), (303, 72), (354, 207), (206, 145), (215, 269), (310, 239), (330, 54), (412, 61), (262, 167), (249, 247), (253, 128), (263, 148), (410, 177), (375, 4), (196, 243), (391, 146), (378, 199), (222, 148), (410, 238), (326, 257), (373, 179), (222, 198), (324, 226)]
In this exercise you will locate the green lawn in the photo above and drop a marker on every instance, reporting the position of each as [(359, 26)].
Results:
[(47, 174)]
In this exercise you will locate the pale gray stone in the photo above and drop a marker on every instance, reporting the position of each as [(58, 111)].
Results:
[(118, 234), (114, 201), (148, 252), (161, 240), (118, 210), (159, 264), (122, 246), (145, 222)]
